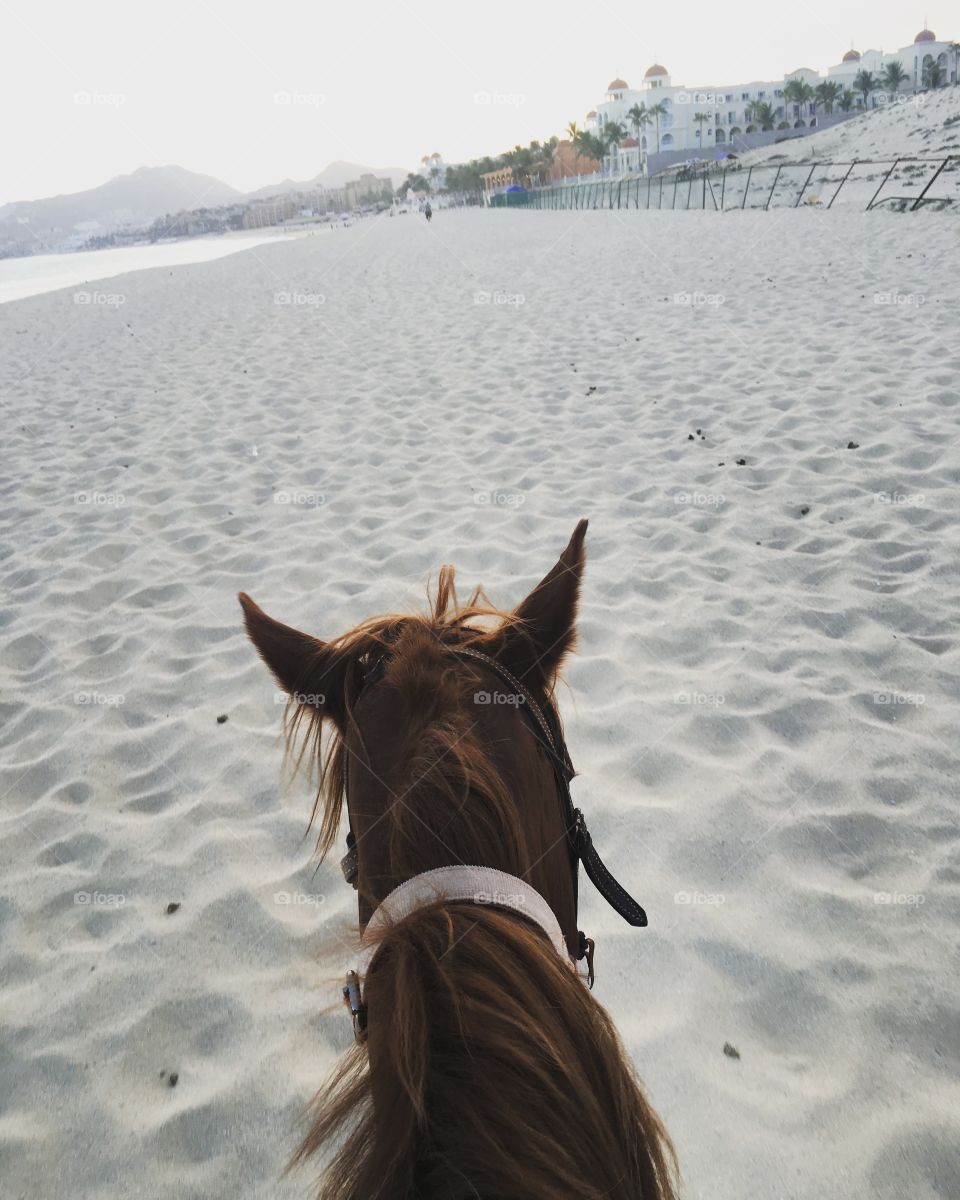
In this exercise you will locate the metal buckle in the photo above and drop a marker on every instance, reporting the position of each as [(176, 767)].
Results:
[(358, 1010)]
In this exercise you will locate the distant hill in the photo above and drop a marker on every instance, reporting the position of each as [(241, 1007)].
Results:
[(333, 176), (135, 199)]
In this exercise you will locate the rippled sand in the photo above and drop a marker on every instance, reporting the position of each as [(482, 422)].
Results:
[(763, 710)]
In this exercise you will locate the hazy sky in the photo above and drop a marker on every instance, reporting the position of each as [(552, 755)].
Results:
[(196, 82)]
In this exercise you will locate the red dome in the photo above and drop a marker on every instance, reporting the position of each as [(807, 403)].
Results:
[(591, 113), (629, 143), (618, 85), (851, 56), (925, 35), (656, 69)]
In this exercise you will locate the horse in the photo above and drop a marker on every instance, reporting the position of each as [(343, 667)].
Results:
[(482, 1065)]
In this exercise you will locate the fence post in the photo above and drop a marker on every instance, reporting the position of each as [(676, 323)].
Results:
[(747, 188), (660, 202), (882, 185), (723, 187), (773, 187), (841, 183), (936, 176), (805, 182)]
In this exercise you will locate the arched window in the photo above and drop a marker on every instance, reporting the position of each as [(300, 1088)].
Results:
[(735, 131), (666, 141), (799, 125), (643, 142), (721, 136), (751, 129)]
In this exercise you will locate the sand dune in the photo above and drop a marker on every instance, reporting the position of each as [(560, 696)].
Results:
[(759, 414), (926, 125)]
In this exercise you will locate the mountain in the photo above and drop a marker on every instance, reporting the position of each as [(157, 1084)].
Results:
[(135, 199), (333, 176)]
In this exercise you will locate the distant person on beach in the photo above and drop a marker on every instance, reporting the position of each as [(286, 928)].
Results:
[(428, 211)]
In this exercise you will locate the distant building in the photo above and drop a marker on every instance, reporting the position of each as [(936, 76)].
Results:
[(368, 189), (568, 161), (434, 170), (493, 180), (706, 122)]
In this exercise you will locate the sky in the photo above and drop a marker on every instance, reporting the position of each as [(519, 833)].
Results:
[(253, 93)]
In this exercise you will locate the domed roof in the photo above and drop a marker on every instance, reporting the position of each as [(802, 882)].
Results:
[(925, 35), (618, 85), (629, 143), (591, 113), (656, 69), (851, 56)]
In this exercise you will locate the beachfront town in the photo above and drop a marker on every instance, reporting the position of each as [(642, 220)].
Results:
[(643, 129)]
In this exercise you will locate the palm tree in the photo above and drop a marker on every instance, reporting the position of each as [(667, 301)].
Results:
[(846, 100), (612, 135), (639, 117), (865, 83), (797, 92), (893, 76), (657, 111), (761, 112), (826, 94), (543, 160), (935, 74), (573, 132), (590, 146), (701, 119)]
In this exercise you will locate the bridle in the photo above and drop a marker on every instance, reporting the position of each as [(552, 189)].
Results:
[(545, 726)]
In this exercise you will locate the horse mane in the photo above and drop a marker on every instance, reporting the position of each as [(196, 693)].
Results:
[(489, 1071)]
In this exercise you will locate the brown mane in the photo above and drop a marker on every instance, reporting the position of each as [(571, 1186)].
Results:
[(489, 1070)]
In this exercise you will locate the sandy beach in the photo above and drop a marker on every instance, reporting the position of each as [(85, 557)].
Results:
[(759, 414)]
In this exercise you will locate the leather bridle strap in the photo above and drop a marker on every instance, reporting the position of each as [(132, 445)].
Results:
[(578, 836)]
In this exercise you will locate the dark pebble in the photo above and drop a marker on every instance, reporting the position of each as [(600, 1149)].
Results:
[(172, 907), (730, 1051), (853, 445), (174, 1076), (690, 437), (804, 510), (221, 720), (741, 462)]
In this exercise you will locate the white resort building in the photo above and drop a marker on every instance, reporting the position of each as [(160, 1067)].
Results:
[(434, 170), (709, 122)]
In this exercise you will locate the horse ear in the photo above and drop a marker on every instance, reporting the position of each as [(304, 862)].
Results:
[(548, 617), (302, 665)]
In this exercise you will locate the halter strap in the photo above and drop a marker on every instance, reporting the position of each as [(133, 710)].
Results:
[(480, 885)]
